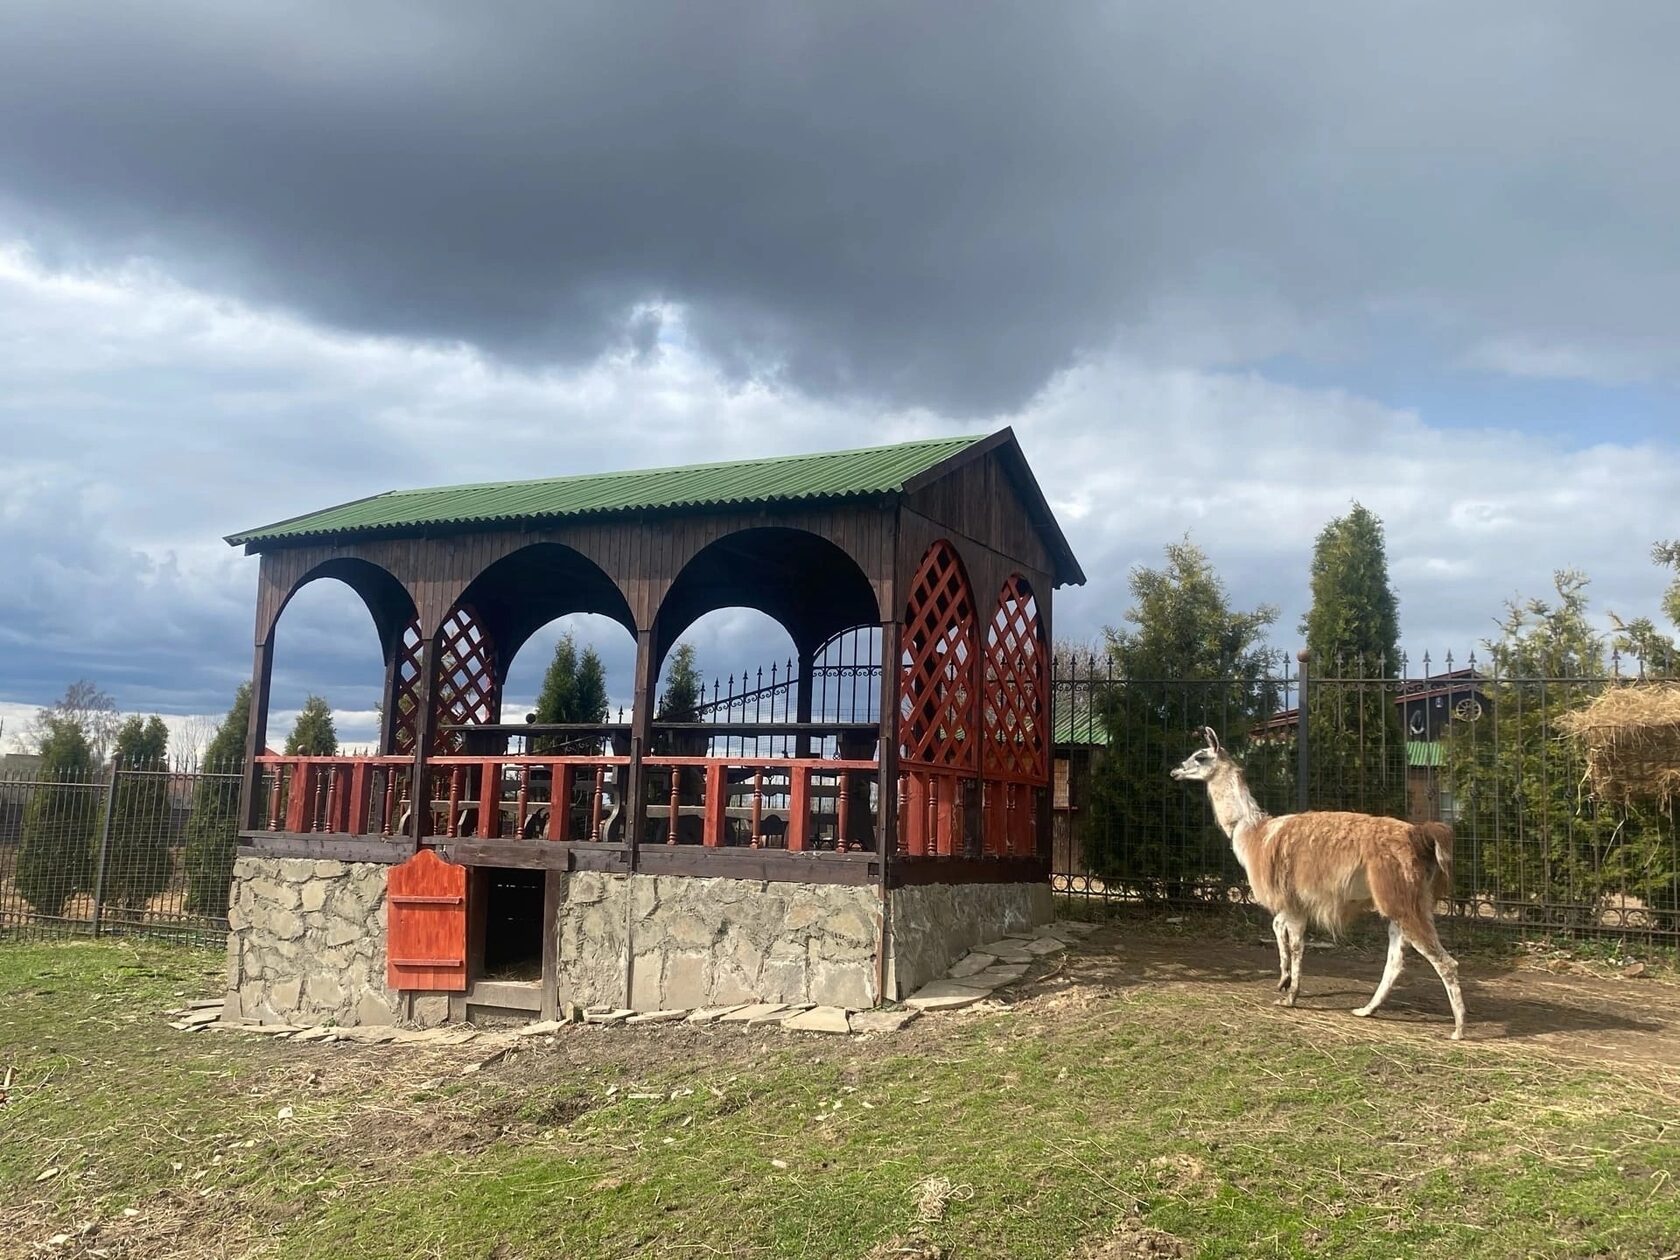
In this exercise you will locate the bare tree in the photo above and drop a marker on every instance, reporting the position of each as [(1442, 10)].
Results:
[(89, 708), (194, 736)]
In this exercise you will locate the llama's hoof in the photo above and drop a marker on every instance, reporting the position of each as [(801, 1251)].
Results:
[(1457, 1034), (1288, 999), (1364, 1011)]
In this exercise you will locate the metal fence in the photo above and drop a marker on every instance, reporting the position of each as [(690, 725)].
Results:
[(122, 849), (1534, 851), (150, 850)]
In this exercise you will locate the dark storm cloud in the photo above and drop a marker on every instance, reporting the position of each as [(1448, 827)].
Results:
[(937, 203)]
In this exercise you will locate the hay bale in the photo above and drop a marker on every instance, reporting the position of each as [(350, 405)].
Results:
[(1631, 735)]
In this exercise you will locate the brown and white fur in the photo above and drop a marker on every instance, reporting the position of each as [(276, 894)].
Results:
[(1328, 867)]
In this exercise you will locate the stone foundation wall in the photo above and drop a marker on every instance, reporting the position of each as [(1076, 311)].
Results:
[(714, 941), (932, 925), (306, 942)]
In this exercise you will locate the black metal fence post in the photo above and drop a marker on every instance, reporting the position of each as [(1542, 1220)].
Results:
[(104, 847), (1303, 741)]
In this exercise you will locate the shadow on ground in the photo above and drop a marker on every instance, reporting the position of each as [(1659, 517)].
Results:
[(1634, 1020)]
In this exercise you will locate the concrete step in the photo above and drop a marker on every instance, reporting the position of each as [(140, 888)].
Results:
[(517, 995)]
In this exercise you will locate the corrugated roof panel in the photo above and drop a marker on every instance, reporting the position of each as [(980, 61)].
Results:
[(829, 475)]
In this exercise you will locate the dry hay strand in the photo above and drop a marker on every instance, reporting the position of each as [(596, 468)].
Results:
[(1631, 735), (933, 1194), (1133, 1240)]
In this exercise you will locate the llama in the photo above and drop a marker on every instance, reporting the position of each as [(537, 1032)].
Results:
[(1329, 867)]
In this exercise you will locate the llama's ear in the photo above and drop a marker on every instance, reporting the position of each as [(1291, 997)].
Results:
[(1212, 739)]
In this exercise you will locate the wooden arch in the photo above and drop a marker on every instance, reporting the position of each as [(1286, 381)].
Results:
[(1015, 762)]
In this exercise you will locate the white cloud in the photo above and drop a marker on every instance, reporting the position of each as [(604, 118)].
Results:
[(140, 420)]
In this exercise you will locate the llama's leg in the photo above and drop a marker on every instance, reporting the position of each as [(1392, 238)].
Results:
[(1421, 936), (1280, 929), (1391, 970), (1297, 929)]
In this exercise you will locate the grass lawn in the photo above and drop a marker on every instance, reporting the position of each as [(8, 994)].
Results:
[(1122, 1107)]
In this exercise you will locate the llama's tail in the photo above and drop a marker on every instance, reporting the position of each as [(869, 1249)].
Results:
[(1434, 841)]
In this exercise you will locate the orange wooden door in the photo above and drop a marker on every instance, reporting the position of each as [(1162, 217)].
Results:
[(426, 924)]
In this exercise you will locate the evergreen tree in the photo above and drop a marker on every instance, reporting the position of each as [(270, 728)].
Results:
[(1187, 659), (1524, 823), (1646, 648), (313, 734), (574, 690), (213, 829), (1353, 653), (681, 699), (137, 859), (55, 856)]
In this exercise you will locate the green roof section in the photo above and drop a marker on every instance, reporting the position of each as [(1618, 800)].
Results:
[(1425, 754), (823, 477), (1075, 721)]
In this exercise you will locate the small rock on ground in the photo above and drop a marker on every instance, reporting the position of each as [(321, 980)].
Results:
[(971, 963), (881, 1021), (542, 1028), (944, 995), (711, 1014), (606, 1016), (823, 1019), (657, 1017), (755, 1013), (997, 976)]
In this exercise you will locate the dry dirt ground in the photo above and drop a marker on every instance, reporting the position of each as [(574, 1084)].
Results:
[(1579, 1012)]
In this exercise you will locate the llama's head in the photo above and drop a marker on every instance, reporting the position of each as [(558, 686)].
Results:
[(1200, 765)]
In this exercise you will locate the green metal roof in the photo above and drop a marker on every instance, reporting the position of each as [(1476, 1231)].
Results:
[(1075, 721), (827, 476), (1425, 754)]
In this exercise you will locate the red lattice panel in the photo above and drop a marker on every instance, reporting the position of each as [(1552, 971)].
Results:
[(1014, 698), (405, 692), (938, 716), (466, 693)]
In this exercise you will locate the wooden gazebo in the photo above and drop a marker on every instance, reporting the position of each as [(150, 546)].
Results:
[(944, 552)]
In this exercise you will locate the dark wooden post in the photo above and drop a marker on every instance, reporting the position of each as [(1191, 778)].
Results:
[(1045, 815), (886, 818), (389, 698), (641, 738), (256, 730), (1303, 744), (425, 731), (802, 700)]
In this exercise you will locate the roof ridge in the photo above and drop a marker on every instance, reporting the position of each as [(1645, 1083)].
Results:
[(956, 443)]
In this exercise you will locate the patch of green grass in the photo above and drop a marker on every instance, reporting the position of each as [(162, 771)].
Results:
[(1246, 1136)]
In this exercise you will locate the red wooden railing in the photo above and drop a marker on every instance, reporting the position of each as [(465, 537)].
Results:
[(799, 804), (359, 796), (802, 804), (529, 797)]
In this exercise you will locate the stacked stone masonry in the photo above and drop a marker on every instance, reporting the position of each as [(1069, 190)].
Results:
[(933, 925), (712, 942), (307, 941)]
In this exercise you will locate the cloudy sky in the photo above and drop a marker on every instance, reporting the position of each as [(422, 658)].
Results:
[(1225, 268)]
